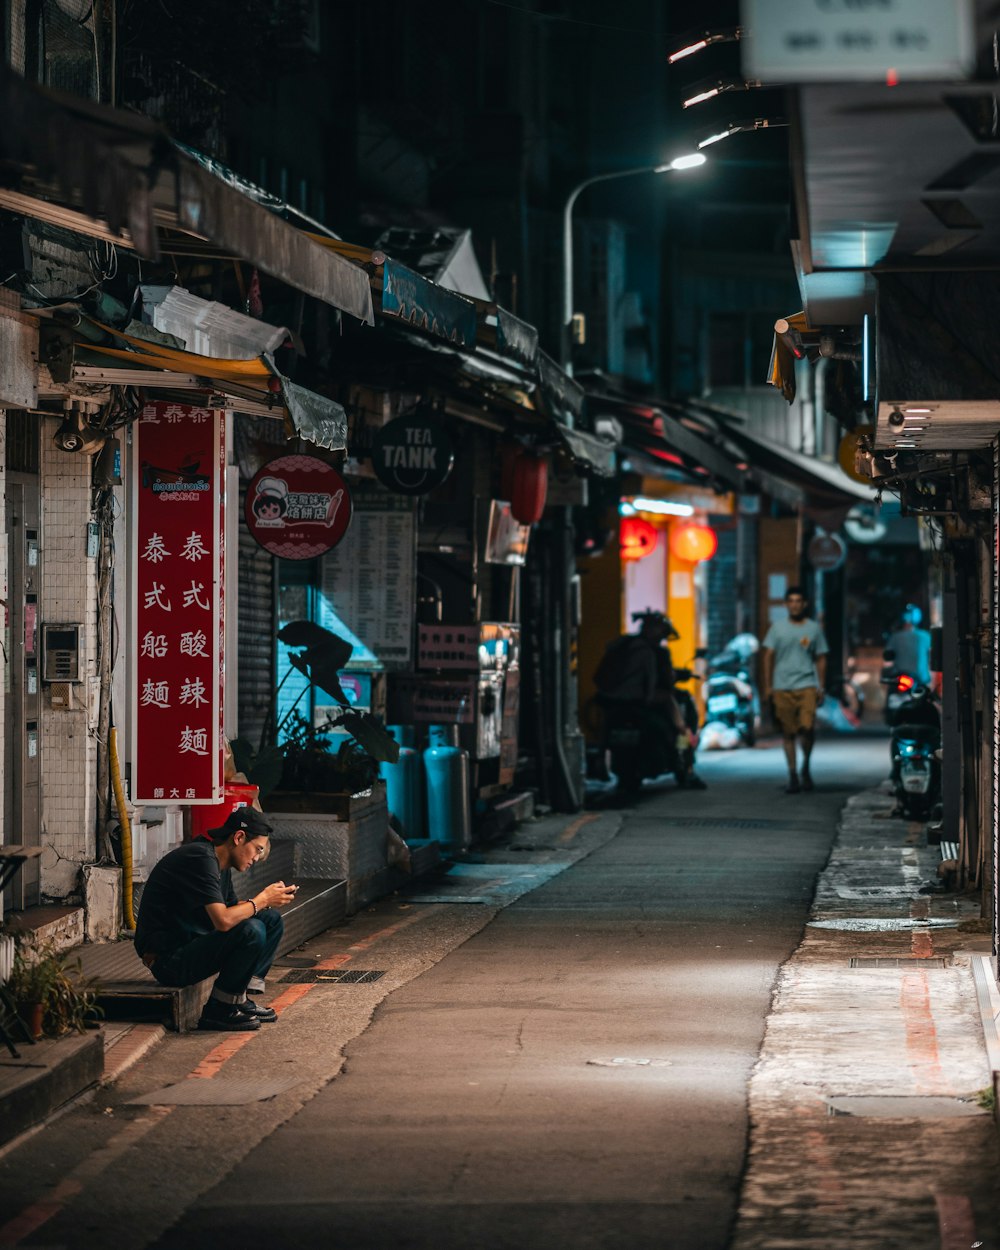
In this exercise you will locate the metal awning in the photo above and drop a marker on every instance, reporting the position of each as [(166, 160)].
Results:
[(152, 365), (655, 430), (792, 477), (117, 176), (596, 455)]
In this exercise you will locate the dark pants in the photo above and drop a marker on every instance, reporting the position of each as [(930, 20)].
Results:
[(243, 952)]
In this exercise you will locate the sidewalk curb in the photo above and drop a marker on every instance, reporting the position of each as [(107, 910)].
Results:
[(127, 1052)]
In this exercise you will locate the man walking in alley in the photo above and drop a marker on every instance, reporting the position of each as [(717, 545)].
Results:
[(794, 679), (191, 925)]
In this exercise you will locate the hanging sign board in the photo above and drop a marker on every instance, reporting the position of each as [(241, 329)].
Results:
[(827, 552), (298, 507), (412, 455), (178, 604), (857, 40)]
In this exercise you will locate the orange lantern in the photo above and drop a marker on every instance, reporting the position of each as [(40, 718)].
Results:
[(693, 542), (637, 538), (529, 486)]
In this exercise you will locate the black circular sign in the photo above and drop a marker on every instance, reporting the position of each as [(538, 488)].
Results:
[(412, 455)]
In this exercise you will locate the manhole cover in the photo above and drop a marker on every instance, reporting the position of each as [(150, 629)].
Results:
[(217, 1092), (880, 961), (331, 976)]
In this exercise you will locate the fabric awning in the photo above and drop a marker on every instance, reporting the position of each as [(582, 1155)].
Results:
[(117, 176), (781, 370)]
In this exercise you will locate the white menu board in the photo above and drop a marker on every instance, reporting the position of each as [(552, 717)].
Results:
[(367, 583)]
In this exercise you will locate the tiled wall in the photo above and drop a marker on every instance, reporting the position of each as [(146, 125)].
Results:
[(68, 744)]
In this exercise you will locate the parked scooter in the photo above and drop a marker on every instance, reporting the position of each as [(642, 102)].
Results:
[(637, 754), (915, 744), (731, 698)]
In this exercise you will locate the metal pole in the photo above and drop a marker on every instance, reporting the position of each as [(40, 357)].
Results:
[(566, 345)]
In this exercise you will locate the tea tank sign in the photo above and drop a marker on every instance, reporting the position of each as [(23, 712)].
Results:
[(412, 455), (298, 507)]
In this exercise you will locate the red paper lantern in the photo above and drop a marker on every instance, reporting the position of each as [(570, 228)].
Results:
[(693, 542), (637, 538), (529, 486)]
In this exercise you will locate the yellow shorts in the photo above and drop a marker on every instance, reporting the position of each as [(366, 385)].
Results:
[(795, 710)]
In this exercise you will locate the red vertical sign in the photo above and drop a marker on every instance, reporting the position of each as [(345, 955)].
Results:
[(178, 465)]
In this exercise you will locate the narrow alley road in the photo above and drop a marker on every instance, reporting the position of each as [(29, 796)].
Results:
[(574, 1073)]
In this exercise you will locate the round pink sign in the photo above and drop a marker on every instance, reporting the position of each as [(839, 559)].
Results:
[(298, 507)]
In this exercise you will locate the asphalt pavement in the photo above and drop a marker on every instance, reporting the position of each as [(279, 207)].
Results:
[(571, 1040)]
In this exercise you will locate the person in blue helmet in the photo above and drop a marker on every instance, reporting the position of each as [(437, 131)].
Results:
[(911, 646)]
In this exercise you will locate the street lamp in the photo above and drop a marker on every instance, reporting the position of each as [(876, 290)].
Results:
[(689, 161), (738, 128)]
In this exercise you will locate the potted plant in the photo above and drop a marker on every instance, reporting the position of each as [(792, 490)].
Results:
[(52, 995), (315, 775), (296, 755)]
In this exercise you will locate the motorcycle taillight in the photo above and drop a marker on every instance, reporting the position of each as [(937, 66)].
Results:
[(904, 682)]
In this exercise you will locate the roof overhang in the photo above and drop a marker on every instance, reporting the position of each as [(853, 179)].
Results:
[(117, 176)]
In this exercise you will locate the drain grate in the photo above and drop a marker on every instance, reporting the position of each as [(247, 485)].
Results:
[(331, 976), (885, 961)]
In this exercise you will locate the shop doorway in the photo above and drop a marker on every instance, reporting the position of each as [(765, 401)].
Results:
[(22, 764)]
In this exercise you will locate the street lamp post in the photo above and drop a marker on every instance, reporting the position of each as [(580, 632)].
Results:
[(689, 161)]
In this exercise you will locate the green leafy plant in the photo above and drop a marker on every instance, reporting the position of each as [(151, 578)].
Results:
[(297, 755), (311, 765), (53, 979)]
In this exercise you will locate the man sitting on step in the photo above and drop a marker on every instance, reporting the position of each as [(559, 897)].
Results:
[(191, 925)]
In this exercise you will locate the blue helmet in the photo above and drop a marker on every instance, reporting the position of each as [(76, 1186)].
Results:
[(912, 614)]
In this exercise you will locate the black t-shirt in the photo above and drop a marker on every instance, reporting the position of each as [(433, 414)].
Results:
[(172, 908)]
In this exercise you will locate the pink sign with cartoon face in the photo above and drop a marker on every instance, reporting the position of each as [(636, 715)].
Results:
[(298, 507)]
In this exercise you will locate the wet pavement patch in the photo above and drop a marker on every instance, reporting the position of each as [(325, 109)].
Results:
[(218, 1092), (721, 822), (903, 1107)]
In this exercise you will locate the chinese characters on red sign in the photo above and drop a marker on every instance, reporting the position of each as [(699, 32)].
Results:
[(178, 604)]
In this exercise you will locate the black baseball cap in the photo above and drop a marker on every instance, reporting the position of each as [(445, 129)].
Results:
[(248, 819)]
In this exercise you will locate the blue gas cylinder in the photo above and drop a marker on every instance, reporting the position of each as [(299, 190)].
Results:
[(402, 783), (446, 771)]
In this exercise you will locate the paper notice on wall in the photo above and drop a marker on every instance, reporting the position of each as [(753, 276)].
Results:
[(777, 585), (681, 586)]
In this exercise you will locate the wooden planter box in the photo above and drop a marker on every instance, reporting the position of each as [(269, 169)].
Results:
[(350, 848), (336, 803)]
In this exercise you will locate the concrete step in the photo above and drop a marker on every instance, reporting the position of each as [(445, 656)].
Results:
[(62, 926), (47, 1075), (129, 991)]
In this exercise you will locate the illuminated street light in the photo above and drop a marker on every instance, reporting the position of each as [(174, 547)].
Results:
[(731, 34), (708, 90), (690, 160), (735, 128)]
